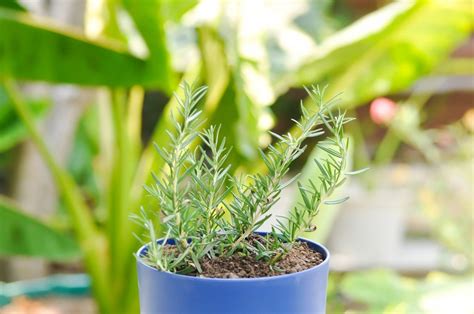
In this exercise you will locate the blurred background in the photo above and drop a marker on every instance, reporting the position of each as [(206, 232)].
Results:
[(86, 87)]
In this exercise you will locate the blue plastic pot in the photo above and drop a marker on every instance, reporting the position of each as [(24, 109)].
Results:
[(302, 292)]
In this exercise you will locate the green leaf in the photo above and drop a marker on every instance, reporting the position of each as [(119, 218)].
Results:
[(88, 236), (330, 151), (23, 235), (12, 131), (328, 213), (35, 49), (387, 50), (12, 4), (215, 70), (239, 115), (353, 173), (336, 202), (385, 291), (245, 84), (84, 151), (225, 97), (173, 10), (149, 19), (378, 288)]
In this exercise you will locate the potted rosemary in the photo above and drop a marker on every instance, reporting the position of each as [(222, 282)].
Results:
[(211, 258)]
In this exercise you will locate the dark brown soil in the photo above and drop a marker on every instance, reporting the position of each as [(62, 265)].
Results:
[(299, 258)]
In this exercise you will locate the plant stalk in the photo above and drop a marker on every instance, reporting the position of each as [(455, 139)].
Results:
[(91, 241)]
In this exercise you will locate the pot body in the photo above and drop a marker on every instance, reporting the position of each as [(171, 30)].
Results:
[(302, 292)]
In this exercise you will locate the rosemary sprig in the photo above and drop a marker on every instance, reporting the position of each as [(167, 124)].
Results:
[(194, 189), (332, 175), (253, 202), (171, 187)]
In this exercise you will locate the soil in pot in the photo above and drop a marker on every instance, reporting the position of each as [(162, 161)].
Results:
[(299, 258)]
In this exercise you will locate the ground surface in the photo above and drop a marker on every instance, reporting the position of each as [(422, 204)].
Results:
[(50, 305)]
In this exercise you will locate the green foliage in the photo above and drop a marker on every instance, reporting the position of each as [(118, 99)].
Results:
[(23, 235), (65, 56), (86, 232), (12, 131), (380, 288), (240, 110), (384, 291), (327, 213), (35, 49), (12, 4), (386, 50), (173, 10), (192, 189), (85, 149), (331, 176), (149, 20), (176, 212)]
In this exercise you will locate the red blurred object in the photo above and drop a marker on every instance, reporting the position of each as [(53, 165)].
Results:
[(382, 110)]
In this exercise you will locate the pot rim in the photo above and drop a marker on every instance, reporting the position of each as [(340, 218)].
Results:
[(207, 279)]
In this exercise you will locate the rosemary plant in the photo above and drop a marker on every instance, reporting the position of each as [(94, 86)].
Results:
[(206, 212)]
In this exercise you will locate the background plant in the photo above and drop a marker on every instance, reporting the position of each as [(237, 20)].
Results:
[(242, 86)]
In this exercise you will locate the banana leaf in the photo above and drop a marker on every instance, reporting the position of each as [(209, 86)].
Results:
[(21, 234), (387, 50), (37, 49)]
